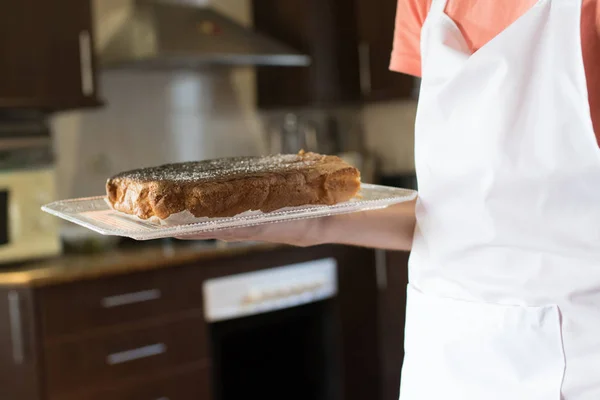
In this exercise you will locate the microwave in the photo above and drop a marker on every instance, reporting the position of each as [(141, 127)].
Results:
[(26, 232)]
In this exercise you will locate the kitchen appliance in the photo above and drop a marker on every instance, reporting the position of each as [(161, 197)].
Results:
[(173, 35), (273, 333), (27, 182)]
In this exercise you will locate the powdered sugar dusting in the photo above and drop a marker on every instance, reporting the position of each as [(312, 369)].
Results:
[(223, 168)]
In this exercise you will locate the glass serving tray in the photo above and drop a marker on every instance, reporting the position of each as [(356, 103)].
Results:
[(94, 213)]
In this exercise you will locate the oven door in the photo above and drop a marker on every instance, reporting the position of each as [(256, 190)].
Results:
[(26, 232), (275, 333), (287, 354)]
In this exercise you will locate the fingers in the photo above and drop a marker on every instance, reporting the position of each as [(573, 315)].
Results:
[(229, 235), (196, 236)]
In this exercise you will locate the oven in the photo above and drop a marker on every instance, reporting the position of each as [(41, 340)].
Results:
[(27, 182), (274, 333)]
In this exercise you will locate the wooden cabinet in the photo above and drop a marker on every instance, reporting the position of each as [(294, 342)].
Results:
[(193, 383), (46, 55), (100, 360), (392, 273), (350, 43), (20, 360), (323, 29), (187, 383), (118, 300), (124, 336), (121, 329), (358, 313), (143, 335), (376, 24)]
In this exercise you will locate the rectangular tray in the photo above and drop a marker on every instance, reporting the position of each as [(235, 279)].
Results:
[(94, 213)]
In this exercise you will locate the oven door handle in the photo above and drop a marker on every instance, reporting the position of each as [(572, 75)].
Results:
[(16, 327)]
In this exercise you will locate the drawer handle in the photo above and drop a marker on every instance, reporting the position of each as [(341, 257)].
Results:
[(85, 60), (381, 269), (364, 67), (136, 354), (16, 333), (131, 298)]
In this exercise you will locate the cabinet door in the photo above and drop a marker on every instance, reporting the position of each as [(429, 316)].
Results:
[(376, 23), (392, 278), (358, 300), (19, 358), (350, 43), (183, 383), (326, 31), (20, 60), (46, 52), (70, 80)]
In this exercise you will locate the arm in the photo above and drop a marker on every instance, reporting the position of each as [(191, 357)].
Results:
[(390, 228)]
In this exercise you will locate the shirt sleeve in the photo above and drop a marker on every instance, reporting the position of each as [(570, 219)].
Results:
[(406, 53)]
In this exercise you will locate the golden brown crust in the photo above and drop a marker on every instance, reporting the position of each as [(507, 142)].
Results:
[(227, 187)]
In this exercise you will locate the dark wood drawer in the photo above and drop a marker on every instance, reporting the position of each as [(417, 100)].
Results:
[(81, 306), (110, 358), (188, 383)]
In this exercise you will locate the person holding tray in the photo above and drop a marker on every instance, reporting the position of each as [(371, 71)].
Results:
[(503, 300), (504, 294)]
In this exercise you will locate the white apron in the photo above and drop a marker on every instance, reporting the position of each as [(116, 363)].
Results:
[(504, 294)]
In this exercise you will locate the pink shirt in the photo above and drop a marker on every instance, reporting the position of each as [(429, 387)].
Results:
[(480, 21)]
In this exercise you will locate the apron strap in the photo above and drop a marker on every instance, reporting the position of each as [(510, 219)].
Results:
[(438, 6)]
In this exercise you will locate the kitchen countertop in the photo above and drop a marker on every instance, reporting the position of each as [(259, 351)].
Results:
[(70, 268)]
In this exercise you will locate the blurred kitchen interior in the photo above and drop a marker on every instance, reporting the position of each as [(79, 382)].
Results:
[(151, 117), (91, 88)]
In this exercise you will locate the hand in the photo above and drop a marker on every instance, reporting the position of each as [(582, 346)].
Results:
[(390, 228), (302, 233)]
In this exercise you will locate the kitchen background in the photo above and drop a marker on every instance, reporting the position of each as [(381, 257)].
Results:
[(152, 117), (89, 88)]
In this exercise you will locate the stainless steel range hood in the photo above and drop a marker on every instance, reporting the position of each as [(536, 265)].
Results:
[(171, 35)]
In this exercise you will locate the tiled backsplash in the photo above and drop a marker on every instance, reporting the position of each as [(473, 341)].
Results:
[(153, 118)]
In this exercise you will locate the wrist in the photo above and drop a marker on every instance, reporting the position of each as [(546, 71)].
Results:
[(314, 232)]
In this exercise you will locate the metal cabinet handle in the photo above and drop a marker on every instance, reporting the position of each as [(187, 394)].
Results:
[(381, 269), (131, 298), (416, 88), (163, 398), (85, 60), (16, 330), (364, 66), (136, 354)]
